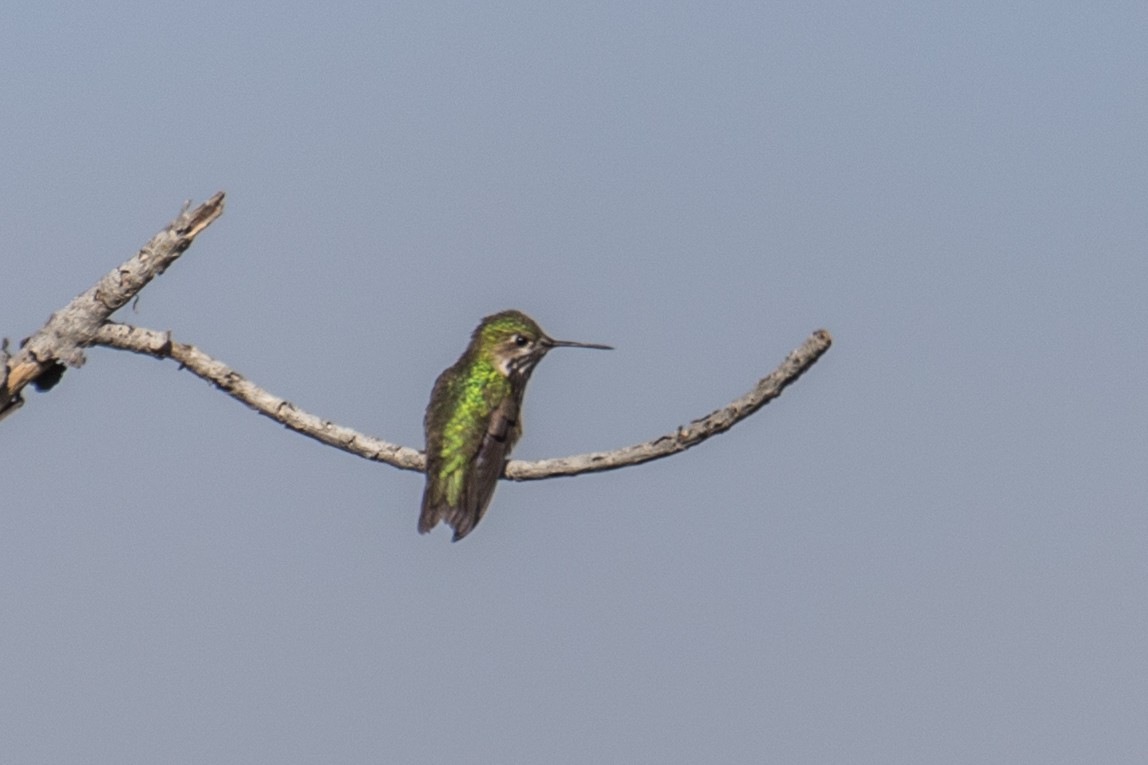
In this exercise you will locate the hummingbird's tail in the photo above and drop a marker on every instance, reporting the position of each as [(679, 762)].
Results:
[(470, 498), (435, 510), (431, 514), (458, 519)]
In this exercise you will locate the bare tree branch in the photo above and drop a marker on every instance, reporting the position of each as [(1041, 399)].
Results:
[(720, 420), (71, 328), (85, 321), (160, 345)]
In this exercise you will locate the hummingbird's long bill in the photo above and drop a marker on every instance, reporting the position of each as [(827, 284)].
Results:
[(551, 342)]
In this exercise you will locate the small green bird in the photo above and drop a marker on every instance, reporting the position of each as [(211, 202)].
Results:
[(472, 419)]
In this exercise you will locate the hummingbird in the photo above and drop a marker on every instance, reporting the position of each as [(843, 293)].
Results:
[(472, 421)]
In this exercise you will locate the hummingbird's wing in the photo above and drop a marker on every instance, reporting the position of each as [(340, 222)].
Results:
[(501, 434)]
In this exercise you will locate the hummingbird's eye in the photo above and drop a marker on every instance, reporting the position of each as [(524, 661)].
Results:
[(520, 341)]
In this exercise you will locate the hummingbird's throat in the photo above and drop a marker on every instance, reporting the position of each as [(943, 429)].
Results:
[(519, 366)]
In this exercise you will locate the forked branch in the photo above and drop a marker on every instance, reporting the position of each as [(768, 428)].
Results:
[(85, 321)]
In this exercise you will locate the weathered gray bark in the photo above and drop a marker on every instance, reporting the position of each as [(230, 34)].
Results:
[(60, 342), (85, 321)]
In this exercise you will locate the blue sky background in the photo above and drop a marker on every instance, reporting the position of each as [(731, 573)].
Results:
[(930, 549)]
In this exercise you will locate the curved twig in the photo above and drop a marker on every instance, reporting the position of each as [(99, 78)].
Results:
[(159, 344), (718, 421)]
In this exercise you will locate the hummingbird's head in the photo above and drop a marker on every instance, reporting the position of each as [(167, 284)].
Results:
[(516, 343)]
